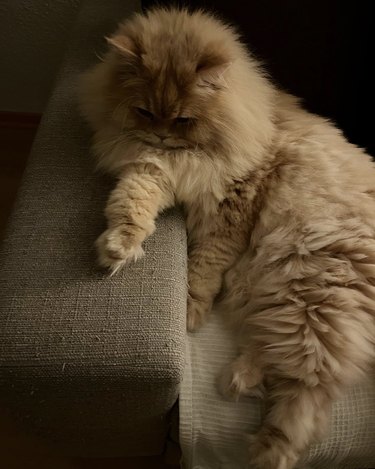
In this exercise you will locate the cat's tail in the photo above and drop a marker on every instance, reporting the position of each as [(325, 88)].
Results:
[(297, 415)]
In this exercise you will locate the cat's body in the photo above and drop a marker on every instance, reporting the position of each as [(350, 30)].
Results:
[(279, 209)]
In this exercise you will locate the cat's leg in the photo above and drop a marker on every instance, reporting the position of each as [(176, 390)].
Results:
[(216, 242), (204, 279), (297, 415), (315, 336), (209, 258), (244, 376), (141, 193)]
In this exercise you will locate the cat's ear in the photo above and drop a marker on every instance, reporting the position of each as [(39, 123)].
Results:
[(211, 70), (123, 45)]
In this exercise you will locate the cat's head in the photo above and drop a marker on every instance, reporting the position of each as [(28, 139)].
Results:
[(174, 80), (169, 69)]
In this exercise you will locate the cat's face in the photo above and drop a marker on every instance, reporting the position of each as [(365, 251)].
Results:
[(160, 110), (180, 83), (168, 96)]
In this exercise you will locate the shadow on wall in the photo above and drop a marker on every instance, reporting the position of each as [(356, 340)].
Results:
[(32, 41)]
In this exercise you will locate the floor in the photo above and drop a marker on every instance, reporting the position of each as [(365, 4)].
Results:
[(16, 450)]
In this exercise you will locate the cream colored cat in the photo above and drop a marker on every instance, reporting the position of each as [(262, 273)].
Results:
[(280, 212)]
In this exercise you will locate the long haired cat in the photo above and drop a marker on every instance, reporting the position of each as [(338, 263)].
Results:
[(279, 210)]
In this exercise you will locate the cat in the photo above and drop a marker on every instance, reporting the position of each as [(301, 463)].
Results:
[(279, 212)]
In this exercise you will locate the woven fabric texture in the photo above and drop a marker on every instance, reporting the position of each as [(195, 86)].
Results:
[(212, 429), (91, 362)]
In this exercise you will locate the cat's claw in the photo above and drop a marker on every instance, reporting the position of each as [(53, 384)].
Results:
[(115, 250)]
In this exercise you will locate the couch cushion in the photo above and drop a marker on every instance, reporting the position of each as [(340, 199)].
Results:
[(212, 429)]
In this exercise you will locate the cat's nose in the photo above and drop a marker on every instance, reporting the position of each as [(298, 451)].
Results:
[(161, 135)]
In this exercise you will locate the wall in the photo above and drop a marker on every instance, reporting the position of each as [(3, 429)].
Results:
[(32, 41)]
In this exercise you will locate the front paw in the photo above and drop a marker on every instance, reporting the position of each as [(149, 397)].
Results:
[(197, 312), (116, 248)]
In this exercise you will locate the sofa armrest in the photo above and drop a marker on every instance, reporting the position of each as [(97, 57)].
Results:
[(89, 361)]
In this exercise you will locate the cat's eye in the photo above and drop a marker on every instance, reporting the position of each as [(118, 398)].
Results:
[(183, 120), (144, 113)]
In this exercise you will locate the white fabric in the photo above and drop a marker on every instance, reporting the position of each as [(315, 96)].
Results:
[(212, 429)]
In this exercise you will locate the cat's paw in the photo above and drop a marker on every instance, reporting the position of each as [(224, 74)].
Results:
[(115, 249), (238, 380), (197, 312)]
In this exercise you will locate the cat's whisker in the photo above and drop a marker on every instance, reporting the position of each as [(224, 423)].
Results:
[(101, 58)]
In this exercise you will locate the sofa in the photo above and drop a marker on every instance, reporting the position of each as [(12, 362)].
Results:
[(89, 362)]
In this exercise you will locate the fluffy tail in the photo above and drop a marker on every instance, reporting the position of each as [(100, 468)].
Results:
[(297, 415)]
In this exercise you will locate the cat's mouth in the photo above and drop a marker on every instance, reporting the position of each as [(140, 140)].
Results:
[(168, 144)]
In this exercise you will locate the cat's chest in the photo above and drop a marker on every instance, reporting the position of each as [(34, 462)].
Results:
[(230, 217), (196, 180), (197, 192)]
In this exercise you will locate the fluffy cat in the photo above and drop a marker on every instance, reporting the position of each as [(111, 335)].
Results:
[(279, 211)]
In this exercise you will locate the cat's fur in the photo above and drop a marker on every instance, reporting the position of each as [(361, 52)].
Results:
[(280, 212)]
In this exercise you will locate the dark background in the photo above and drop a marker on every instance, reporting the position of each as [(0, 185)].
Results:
[(321, 51)]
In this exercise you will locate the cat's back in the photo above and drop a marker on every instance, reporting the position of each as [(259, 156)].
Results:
[(319, 185), (315, 166)]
